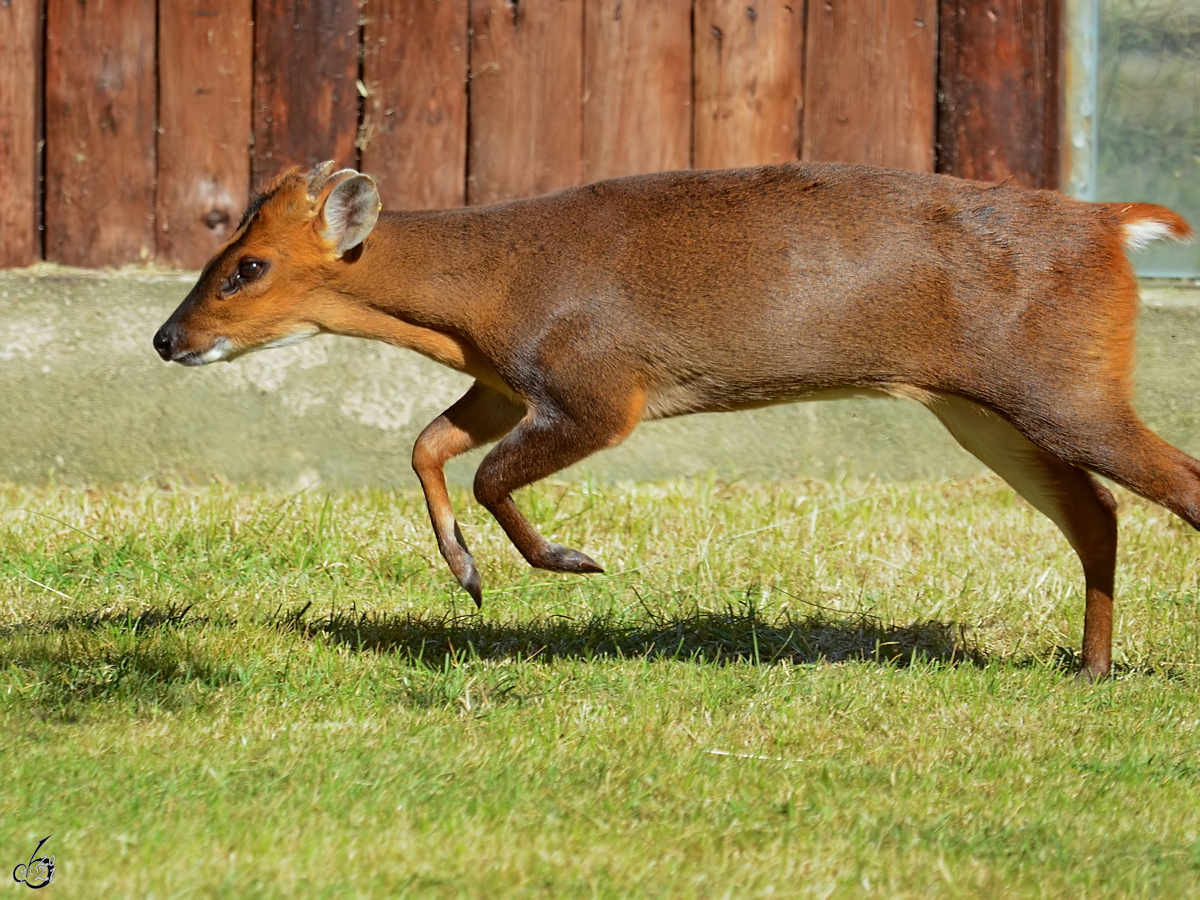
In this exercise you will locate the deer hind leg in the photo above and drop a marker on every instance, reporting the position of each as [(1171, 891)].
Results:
[(482, 415), (1111, 440), (545, 442), (1082, 508)]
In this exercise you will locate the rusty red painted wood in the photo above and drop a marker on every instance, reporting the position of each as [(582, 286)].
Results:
[(206, 51), (414, 130), (748, 82), (305, 84), (999, 86), (525, 98), (871, 75), (100, 140), (558, 92), (20, 109), (637, 87)]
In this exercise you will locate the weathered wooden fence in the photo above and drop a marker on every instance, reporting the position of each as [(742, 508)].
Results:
[(134, 130)]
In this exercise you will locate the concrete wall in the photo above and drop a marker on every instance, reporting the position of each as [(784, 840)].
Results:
[(84, 399)]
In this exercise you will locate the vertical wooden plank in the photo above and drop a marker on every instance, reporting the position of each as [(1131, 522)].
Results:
[(526, 127), (637, 87), (871, 75), (305, 84), (20, 105), (414, 132), (100, 141), (749, 82), (206, 49), (998, 85)]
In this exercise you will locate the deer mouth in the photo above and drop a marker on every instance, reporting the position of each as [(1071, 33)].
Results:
[(221, 349)]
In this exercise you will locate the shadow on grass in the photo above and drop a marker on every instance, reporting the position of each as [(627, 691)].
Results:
[(739, 634), (150, 658), (735, 635), (140, 657)]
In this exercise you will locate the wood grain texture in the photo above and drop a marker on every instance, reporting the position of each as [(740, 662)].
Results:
[(871, 74), (305, 91), (414, 133), (20, 108), (206, 51), (749, 82), (100, 140), (525, 95), (637, 87), (999, 86)]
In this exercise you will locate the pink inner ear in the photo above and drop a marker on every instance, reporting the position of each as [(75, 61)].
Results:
[(351, 211)]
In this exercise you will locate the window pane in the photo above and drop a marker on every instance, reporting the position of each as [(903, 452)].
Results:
[(1148, 129)]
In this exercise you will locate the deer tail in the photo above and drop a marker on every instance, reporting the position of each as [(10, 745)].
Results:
[(1144, 223)]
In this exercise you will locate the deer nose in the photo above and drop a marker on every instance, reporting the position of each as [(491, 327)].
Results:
[(162, 343)]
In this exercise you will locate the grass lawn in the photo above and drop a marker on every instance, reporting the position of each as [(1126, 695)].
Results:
[(796, 689)]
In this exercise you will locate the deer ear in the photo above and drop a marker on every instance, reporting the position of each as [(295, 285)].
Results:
[(318, 177), (349, 211)]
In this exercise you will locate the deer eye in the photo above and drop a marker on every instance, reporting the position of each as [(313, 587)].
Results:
[(250, 269), (247, 270)]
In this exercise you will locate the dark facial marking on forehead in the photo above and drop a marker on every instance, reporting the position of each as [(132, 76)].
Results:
[(256, 203)]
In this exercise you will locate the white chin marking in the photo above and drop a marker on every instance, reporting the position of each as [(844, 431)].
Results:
[(217, 352), (293, 338), (223, 348)]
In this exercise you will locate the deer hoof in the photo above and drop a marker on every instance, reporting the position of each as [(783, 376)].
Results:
[(564, 559)]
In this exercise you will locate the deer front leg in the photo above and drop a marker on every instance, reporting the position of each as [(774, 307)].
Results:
[(545, 442), (480, 416)]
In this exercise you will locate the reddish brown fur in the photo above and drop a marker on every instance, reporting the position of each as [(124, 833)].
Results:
[(1010, 313), (1143, 212)]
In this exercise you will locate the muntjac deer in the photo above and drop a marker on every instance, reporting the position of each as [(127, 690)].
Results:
[(1008, 313)]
